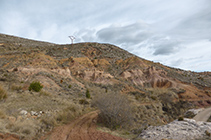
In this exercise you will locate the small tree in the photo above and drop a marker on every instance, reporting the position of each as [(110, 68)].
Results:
[(88, 94), (35, 86)]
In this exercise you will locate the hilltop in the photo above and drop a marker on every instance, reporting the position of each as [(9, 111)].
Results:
[(158, 94)]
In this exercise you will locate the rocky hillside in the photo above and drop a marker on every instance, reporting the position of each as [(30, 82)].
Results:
[(158, 93)]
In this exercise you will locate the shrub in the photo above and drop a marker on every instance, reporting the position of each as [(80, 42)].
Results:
[(115, 110), (67, 114), (69, 86), (2, 115), (35, 86), (15, 87), (88, 94), (209, 120), (207, 133), (83, 102), (181, 118), (3, 93)]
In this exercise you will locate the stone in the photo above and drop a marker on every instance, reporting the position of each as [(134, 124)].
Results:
[(33, 113), (23, 112)]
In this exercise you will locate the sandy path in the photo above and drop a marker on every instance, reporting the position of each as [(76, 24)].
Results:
[(203, 115), (83, 128)]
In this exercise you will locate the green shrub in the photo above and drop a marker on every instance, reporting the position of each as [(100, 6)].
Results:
[(3, 93), (88, 94), (35, 86)]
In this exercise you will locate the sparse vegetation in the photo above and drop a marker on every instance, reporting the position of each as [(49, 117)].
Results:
[(26, 128), (35, 86), (68, 114), (2, 115), (161, 98), (15, 87), (44, 93)]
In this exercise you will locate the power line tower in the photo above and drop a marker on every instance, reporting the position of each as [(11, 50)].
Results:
[(72, 38)]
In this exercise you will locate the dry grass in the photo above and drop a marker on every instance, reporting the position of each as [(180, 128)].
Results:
[(44, 93), (27, 128), (15, 87), (2, 114), (163, 94), (3, 93), (58, 110), (69, 113)]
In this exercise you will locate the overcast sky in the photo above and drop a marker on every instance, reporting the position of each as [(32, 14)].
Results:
[(176, 33)]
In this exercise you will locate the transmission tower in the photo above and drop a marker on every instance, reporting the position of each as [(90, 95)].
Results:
[(72, 38)]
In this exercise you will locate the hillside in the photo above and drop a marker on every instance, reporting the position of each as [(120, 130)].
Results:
[(158, 94)]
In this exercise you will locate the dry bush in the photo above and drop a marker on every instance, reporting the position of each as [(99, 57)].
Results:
[(3, 93), (68, 114), (48, 122), (209, 120), (2, 115), (44, 93), (27, 128), (115, 110), (15, 87), (164, 95)]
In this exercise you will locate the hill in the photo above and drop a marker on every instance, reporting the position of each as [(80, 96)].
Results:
[(157, 94)]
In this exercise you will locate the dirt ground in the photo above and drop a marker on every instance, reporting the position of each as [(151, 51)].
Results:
[(83, 128), (8, 137)]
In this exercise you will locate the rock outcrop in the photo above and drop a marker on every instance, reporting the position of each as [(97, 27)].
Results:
[(179, 130)]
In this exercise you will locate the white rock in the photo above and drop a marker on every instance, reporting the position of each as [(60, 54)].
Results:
[(23, 112), (182, 130), (33, 113)]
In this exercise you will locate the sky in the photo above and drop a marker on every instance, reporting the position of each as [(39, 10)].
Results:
[(176, 33)]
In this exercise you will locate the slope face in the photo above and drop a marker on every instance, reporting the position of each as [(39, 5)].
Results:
[(101, 63), (159, 93)]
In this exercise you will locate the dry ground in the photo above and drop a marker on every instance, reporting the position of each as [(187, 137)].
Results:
[(83, 128)]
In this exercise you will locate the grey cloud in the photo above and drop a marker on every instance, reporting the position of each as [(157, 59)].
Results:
[(130, 34), (87, 35), (166, 47), (195, 26), (176, 63)]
